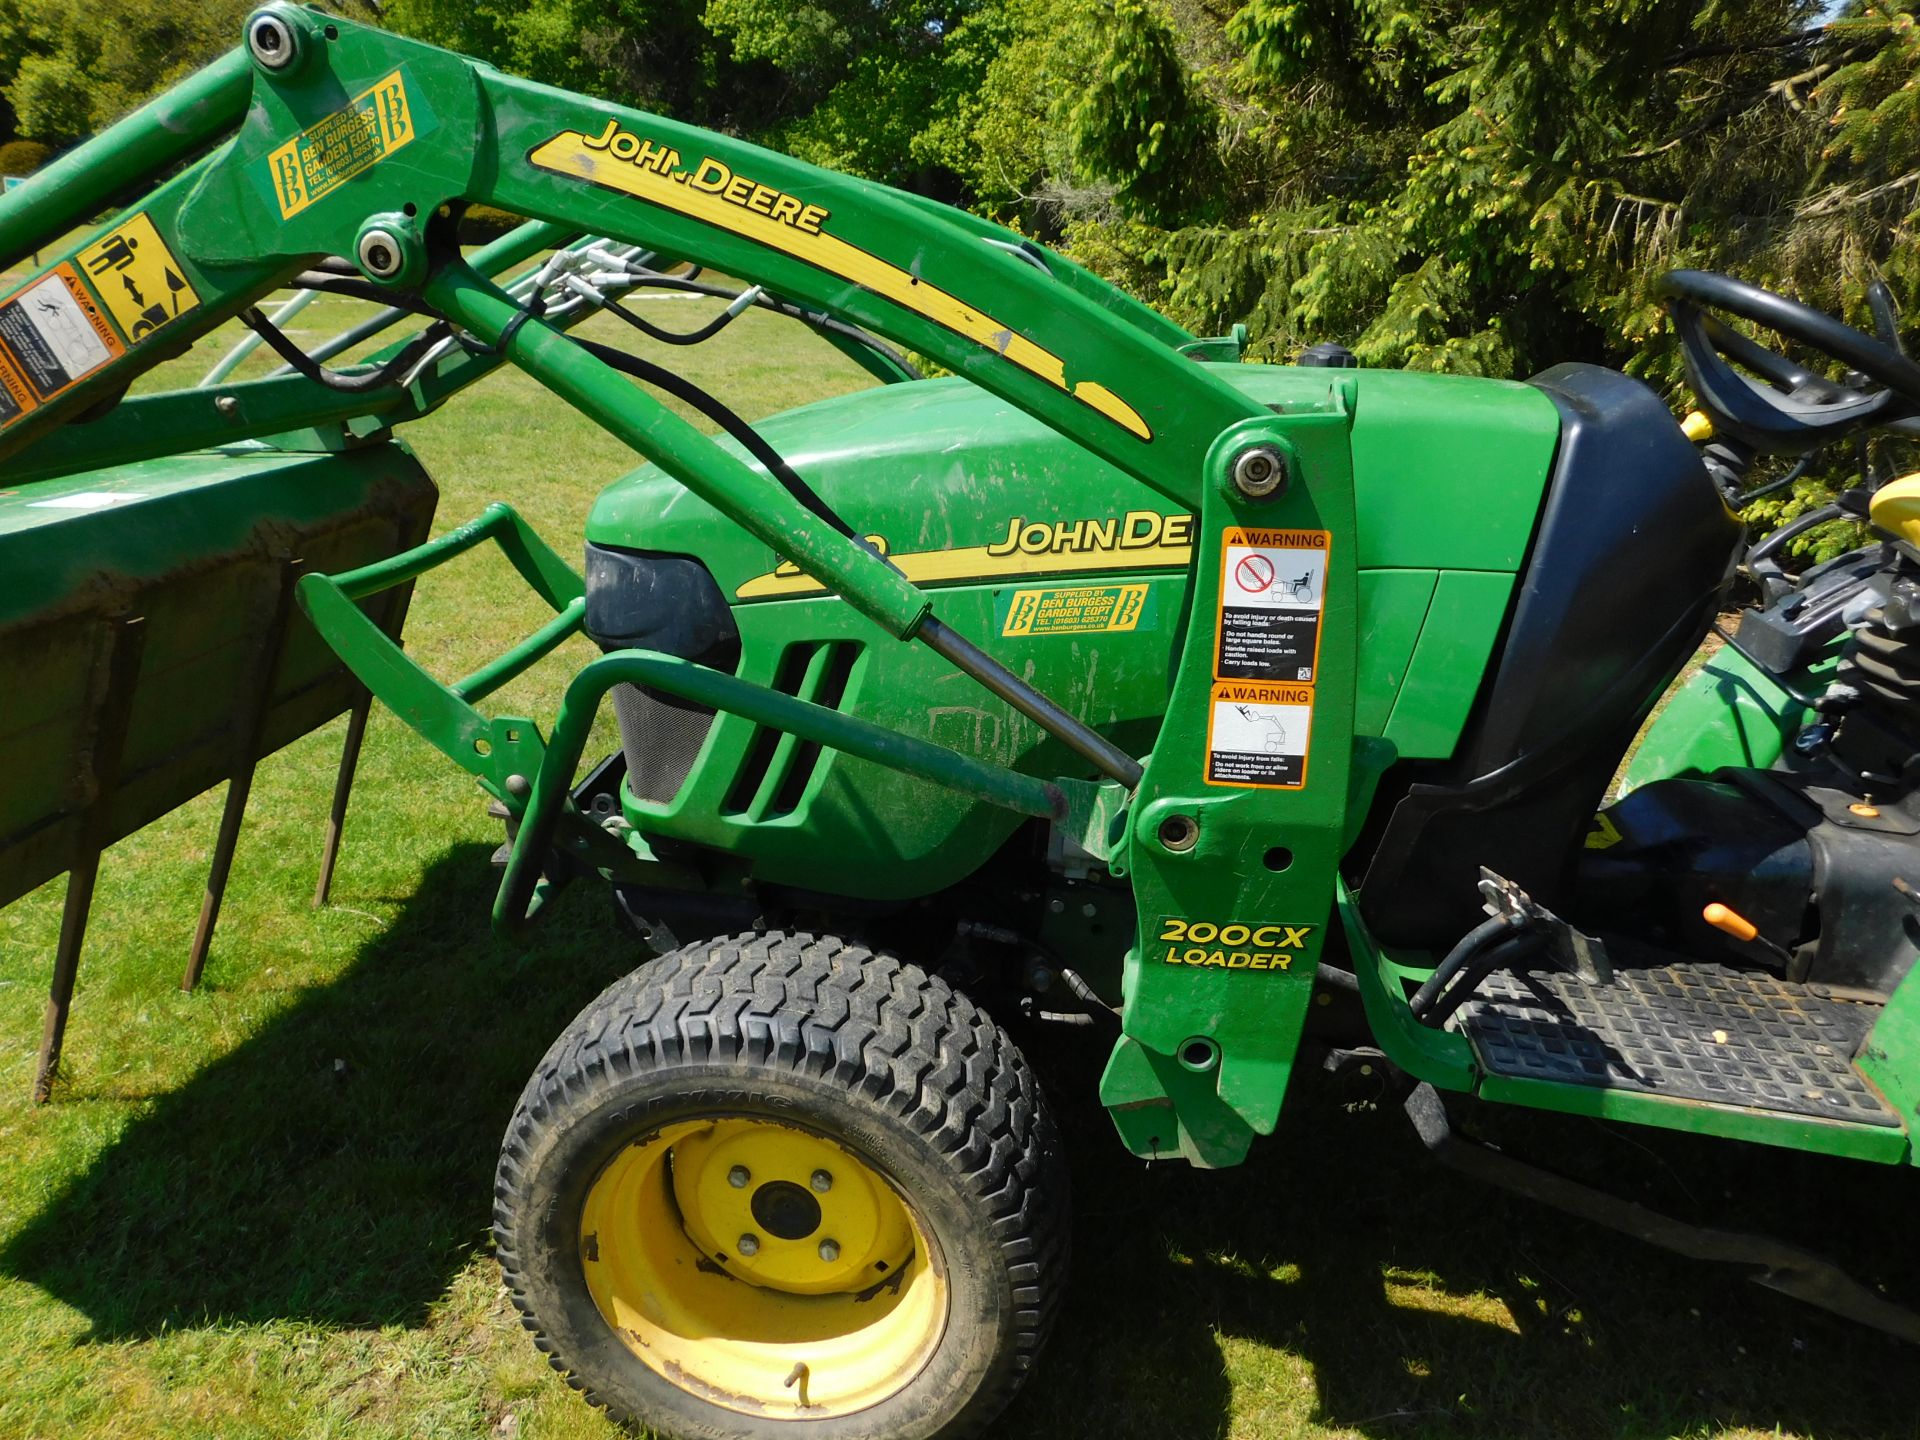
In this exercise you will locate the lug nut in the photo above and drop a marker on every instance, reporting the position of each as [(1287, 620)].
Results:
[(738, 1177), (381, 254), (270, 41), (749, 1245), (829, 1250), (1259, 472), (1179, 833), (822, 1181)]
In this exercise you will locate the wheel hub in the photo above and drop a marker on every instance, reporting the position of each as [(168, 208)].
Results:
[(788, 1209), (783, 1209), (764, 1266)]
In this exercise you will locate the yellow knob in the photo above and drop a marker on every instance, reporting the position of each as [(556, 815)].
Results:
[(1697, 427), (1896, 508)]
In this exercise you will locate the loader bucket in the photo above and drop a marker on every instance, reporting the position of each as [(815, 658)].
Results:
[(152, 649)]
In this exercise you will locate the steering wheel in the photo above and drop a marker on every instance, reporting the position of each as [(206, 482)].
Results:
[(1794, 411)]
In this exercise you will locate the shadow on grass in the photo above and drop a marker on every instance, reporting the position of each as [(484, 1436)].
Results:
[(337, 1166), (1338, 1279), (1383, 1295)]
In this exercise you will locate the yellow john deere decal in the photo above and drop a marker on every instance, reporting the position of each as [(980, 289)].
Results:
[(137, 277), (322, 158), (1138, 540), (710, 191), (1235, 945)]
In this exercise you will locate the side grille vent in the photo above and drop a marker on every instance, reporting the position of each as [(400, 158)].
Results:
[(779, 767)]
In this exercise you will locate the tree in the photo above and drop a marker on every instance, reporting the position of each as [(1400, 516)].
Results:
[(79, 65), (1488, 185)]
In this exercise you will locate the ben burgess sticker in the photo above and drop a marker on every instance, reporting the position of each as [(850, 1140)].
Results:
[(1074, 610), (1258, 735), (1273, 586)]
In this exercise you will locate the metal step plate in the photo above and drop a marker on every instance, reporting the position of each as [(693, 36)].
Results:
[(1691, 1032)]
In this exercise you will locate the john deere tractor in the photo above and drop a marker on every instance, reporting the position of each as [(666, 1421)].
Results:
[(1105, 678)]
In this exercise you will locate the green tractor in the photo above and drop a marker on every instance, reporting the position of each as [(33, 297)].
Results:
[(1233, 708)]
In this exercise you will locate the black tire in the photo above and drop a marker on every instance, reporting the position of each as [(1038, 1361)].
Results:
[(876, 1054)]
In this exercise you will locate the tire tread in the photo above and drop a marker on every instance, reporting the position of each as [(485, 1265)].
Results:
[(857, 1018)]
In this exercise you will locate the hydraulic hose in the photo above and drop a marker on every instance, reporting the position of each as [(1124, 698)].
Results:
[(1482, 936)]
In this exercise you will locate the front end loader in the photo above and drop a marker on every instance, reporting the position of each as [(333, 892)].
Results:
[(1105, 680)]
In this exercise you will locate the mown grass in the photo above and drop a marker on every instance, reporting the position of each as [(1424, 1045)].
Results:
[(261, 1209)]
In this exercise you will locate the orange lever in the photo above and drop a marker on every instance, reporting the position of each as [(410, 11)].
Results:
[(1730, 921)]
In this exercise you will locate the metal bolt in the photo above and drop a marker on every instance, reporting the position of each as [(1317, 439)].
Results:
[(270, 41), (1057, 906), (738, 1177), (1259, 472), (381, 254), (1179, 832), (1089, 910), (749, 1245), (519, 785), (822, 1181), (829, 1250), (227, 406)]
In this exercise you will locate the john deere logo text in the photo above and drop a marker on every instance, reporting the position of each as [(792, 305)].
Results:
[(1136, 530), (1137, 540), (1232, 946), (710, 176), (321, 159)]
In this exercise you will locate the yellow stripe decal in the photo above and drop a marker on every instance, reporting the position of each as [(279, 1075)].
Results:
[(702, 195), (975, 562)]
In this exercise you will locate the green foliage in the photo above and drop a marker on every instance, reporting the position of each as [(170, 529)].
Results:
[(72, 67), (1487, 185), (658, 55), (23, 157), (1143, 123), (1875, 123), (53, 95), (884, 89)]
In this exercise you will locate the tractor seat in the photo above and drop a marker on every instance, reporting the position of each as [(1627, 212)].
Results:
[(1626, 569)]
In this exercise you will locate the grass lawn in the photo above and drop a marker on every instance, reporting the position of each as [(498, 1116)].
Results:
[(261, 1209)]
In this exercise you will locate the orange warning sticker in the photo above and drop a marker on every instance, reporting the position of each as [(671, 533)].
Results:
[(52, 336), (1258, 735), (1273, 587), (16, 397)]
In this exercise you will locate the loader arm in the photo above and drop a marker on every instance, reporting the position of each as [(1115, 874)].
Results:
[(340, 158)]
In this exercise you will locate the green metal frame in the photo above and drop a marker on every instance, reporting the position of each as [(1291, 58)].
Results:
[(366, 135)]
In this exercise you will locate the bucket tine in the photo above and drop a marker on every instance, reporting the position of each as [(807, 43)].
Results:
[(128, 639), (257, 703)]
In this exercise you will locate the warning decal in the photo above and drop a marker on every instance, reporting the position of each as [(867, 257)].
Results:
[(1257, 735), (1076, 610), (1272, 589), (138, 278), (15, 398), (52, 336)]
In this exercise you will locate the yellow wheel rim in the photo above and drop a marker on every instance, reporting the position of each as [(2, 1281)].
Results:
[(762, 1267)]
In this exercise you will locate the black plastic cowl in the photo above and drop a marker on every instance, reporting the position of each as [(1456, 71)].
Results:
[(640, 600)]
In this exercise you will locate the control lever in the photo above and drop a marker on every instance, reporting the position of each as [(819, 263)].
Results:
[(1886, 314)]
